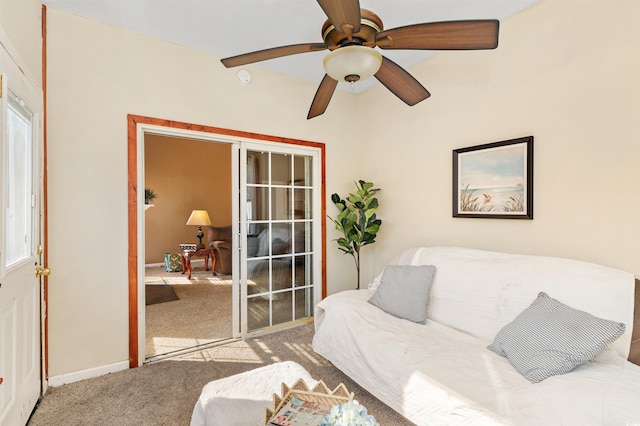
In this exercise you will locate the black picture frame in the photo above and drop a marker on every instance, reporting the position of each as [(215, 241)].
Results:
[(494, 180)]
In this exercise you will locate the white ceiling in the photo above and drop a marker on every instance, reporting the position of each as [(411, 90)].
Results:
[(232, 27)]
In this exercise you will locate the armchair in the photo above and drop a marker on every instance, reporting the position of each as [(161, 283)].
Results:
[(220, 238)]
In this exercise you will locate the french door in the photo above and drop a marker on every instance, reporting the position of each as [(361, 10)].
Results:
[(280, 234), (278, 222), (20, 219)]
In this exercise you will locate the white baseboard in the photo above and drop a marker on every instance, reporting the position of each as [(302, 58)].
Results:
[(90, 373)]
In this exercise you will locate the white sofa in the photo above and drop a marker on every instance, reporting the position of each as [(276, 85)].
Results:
[(441, 372)]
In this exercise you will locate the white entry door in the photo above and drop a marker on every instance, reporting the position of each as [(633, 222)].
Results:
[(20, 218)]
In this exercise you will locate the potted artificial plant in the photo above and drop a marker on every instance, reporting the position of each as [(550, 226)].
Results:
[(149, 195), (357, 220)]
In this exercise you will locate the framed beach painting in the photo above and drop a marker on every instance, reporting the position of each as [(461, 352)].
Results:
[(494, 180)]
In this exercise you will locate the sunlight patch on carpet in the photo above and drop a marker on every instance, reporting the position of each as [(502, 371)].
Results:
[(180, 279), (170, 344), (157, 275), (304, 351)]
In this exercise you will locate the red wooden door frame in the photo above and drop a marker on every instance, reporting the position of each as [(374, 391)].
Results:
[(132, 140)]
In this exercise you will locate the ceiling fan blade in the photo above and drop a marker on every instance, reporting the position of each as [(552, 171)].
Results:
[(343, 14), (275, 52), (401, 83), (322, 97), (451, 35)]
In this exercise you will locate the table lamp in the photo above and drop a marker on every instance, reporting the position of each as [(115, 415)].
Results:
[(199, 218)]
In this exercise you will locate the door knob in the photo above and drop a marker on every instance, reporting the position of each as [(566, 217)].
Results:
[(42, 272)]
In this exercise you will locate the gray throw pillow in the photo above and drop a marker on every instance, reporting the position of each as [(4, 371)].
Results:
[(550, 338), (404, 291)]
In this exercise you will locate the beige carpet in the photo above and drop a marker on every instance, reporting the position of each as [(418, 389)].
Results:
[(164, 393), (201, 315)]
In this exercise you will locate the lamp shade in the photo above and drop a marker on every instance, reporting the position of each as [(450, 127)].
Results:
[(352, 63), (199, 217)]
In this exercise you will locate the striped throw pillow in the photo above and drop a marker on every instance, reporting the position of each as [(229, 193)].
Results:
[(550, 338)]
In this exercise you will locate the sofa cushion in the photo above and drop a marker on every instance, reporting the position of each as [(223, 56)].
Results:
[(478, 291), (404, 291), (282, 233), (407, 257), (279, 246), (550, 338)]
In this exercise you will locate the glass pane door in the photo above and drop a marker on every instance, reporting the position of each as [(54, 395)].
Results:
[(280, 252)]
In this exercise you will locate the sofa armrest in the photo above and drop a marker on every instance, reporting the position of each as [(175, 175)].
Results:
[(221, 245)]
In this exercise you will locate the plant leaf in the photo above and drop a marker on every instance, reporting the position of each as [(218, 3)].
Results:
[(373, 229)]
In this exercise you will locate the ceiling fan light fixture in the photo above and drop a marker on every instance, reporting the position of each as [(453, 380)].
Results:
[(352, 63)]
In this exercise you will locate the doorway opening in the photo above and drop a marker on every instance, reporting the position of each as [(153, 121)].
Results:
[(186, 309), (306, 255)]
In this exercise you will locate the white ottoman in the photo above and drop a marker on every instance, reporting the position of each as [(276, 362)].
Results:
[(240, 400)]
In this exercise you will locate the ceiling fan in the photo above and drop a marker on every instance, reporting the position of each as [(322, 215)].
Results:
[(351, 34)]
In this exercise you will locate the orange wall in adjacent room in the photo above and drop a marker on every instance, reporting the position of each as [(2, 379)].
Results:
[(186, 175)]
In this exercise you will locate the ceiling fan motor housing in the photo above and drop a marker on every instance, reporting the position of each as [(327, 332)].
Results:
[(370, 24)]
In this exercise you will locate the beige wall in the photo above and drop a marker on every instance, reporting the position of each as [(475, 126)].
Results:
[(566, 73), (186, 174), (97, 74), (22, 22)]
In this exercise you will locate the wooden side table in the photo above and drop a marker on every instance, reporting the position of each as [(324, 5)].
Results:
[(207, 253)]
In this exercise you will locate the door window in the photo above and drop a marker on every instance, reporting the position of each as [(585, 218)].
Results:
[(280, 251), (19, 205)]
